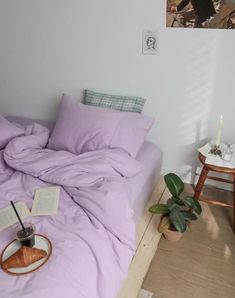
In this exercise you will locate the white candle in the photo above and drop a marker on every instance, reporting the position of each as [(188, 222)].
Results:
[(218, 138)]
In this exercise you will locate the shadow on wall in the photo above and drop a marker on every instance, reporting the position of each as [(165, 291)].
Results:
[(200, 78)]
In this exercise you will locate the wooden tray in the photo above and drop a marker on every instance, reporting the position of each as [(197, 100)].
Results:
[(41, 242)]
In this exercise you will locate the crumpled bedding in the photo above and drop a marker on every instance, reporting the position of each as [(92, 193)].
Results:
[(93, 234)]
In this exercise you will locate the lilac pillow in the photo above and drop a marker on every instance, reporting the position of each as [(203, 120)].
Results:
[(8, 131), (80, 128)]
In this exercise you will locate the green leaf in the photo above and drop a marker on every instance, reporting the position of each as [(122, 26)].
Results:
[(188, 215), (174, 184), (164, 224), (188, 202), (172, 205), (178, 201), (178, 221), (197, 206), (159, 208), (192, 203)]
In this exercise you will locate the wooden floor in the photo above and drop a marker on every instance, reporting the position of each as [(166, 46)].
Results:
[(202, 263)]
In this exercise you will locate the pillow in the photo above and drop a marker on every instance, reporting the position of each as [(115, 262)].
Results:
[(80, 128), (115, 102), (8, 131)]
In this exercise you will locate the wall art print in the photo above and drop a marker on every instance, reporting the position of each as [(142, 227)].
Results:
[(149, 42), (215, 14)]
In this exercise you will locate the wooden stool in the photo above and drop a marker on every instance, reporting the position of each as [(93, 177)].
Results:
[(204, 175)]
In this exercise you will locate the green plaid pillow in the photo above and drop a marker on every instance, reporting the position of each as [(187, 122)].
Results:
[(115, 102)]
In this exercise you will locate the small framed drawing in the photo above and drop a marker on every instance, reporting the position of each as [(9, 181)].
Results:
[(149, 42)]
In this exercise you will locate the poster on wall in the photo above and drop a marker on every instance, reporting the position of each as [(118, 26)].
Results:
[(215, 14)]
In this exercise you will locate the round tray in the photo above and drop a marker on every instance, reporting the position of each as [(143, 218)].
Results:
[(41, 242)]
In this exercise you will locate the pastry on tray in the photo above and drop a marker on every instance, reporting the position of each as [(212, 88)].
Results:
[(24, 257)]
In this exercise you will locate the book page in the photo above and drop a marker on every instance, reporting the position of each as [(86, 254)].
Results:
[(46, 201), (8, 216)]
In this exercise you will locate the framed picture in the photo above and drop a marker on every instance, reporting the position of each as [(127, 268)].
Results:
[(149, 42), (217, 14)]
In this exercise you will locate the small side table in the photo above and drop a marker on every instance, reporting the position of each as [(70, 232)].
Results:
[(204, 175)]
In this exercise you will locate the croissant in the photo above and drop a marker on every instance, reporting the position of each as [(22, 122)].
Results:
[(24, 257)]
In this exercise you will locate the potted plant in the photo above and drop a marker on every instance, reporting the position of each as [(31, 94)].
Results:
[(178, 211)]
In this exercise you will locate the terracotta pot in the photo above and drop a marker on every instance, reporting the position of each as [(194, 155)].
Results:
[(173, 235)]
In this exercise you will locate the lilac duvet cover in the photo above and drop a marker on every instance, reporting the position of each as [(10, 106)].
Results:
[(93, 234)]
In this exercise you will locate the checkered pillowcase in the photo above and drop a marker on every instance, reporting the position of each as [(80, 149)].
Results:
[(115, 102)]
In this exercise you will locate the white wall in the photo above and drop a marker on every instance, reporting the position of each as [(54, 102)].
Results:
[(54, 46)]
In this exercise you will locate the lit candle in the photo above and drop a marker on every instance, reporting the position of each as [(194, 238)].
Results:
[(218, 138)]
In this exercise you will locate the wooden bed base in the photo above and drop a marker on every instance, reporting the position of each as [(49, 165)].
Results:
[(147, 241)]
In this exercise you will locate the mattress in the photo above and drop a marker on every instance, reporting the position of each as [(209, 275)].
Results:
[(142, 184)]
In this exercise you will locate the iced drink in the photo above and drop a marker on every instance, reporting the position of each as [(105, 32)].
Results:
[(26, 237)]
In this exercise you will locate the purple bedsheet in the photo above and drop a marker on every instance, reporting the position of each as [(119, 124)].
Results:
[(93, 234)]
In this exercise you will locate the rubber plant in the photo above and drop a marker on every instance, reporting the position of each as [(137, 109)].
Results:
[(178, 210)]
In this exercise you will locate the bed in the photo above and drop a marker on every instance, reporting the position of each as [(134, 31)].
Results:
[(92, 262)]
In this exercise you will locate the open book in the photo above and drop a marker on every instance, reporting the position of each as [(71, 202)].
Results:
[(46, 202), (8, 216)]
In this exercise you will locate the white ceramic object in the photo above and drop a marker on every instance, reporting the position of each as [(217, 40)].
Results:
[(41, 242)]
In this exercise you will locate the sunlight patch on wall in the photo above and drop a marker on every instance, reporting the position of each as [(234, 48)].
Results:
[(200, 76), (200, 68)]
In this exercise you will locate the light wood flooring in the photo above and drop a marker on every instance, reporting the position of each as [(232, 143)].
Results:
[(202, 263)]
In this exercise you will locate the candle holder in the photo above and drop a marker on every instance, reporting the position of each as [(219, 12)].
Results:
[(215, 150)]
